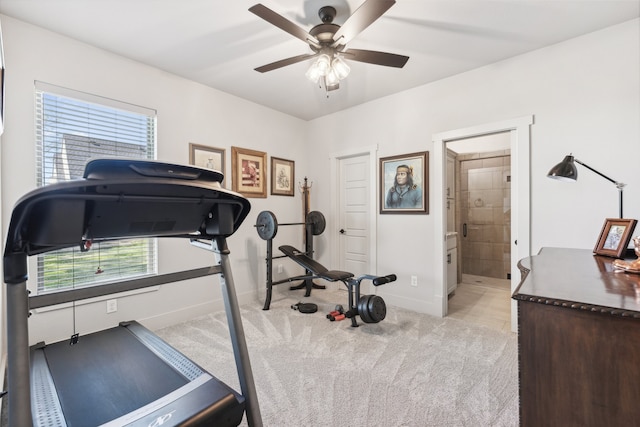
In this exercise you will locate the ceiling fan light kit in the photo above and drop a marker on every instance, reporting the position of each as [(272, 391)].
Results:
[(330, 70), (328, 42)]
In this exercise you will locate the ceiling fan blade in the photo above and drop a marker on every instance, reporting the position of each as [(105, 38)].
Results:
[(283, 23), (285, 62), (375, 57), (364, 16)]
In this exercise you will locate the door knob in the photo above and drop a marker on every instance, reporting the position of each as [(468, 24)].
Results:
[(342, 231)]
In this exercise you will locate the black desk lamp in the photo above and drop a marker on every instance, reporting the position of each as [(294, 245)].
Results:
[(566, 170)]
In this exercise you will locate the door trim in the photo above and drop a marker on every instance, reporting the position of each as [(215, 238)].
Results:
[(332, 223), (519, 129)]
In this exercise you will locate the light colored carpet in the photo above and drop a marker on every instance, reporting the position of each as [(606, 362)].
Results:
[(408, 370)]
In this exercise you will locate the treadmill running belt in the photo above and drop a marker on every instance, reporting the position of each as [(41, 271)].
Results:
[(106, 375)]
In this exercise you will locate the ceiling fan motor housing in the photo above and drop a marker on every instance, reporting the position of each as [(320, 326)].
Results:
[(324, 32), (327, 14)]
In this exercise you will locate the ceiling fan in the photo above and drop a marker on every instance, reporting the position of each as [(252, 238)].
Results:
[(328, 42)]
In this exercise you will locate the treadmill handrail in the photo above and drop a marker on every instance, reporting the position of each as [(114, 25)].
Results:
[(71, 295)]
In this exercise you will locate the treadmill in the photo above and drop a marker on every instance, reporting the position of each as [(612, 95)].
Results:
[(125, 375)]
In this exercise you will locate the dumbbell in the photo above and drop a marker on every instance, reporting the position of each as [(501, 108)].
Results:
[(337, 314)]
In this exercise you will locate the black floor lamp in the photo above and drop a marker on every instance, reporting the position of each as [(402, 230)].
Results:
[(566, 170)]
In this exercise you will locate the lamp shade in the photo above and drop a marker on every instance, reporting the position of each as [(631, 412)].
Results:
[(565, 170)]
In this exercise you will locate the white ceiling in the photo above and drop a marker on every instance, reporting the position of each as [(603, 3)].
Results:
[(219, 43)]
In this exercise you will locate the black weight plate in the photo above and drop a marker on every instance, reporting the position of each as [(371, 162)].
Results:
[(317, 221), (267, 225), (363, 309), (376, 308), (307, 307)]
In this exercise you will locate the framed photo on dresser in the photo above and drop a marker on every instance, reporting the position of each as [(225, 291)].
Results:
[(615, 237)]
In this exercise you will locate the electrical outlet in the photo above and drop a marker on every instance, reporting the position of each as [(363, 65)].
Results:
[(280, 269), (414, 280), (112, 305)]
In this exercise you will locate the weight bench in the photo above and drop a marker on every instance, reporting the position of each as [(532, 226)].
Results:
[(370, 308), (267, 227)]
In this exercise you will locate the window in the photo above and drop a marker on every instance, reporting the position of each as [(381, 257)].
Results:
[(72, 128)]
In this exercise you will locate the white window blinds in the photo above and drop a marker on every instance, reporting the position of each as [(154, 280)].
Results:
[(72, 128)]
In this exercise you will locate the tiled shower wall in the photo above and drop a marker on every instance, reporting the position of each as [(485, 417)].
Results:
[(485, 208)]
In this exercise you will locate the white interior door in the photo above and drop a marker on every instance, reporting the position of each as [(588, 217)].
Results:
[(354, 213)]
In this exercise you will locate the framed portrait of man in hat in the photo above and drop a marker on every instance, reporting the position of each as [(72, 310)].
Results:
[(404, 183)]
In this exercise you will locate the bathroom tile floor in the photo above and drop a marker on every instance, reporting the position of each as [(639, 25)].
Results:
[(482, 300)]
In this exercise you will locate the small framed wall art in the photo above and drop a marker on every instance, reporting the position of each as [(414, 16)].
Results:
[(282, 176), (207, 157), (404, 183), (615, 237), (249, 174)]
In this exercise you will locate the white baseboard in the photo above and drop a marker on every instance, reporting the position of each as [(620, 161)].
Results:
[(188, 313), (419, 306)]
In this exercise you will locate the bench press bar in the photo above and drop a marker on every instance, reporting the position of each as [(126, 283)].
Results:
[(267, 224)]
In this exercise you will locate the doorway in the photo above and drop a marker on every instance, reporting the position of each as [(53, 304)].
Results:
[(519, 136), (482, 226)]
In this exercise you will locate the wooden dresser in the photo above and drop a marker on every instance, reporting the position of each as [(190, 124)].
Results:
[(578, 341)]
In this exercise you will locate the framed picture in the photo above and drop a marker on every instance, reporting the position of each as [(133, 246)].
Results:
[(614, 237), (404, 183), (249, 175), (282, 176), (207, 157)]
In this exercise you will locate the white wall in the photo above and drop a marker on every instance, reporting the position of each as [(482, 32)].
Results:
[(584, 93), (585, 96), (187, 112)]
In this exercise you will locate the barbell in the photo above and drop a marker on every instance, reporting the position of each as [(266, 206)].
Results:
[(267, 224)]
